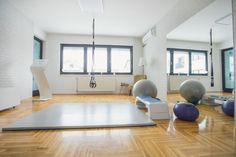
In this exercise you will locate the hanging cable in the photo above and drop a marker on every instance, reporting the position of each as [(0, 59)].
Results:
[(212, 72), (92, 83)]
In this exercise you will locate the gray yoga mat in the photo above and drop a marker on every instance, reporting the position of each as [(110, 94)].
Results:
[(83, 115)]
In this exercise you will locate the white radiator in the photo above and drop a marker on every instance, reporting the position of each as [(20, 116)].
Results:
[(175, 81), (104, 84)]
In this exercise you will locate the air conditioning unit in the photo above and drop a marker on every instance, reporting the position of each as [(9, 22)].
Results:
[(151, 33)]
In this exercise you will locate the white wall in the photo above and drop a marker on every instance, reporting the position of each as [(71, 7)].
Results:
[(226, 44), (67, 83), (39, 33), (155, 49), (16, 47), (216, 63)]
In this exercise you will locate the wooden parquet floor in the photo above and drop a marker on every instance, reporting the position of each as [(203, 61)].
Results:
[(212, 135)]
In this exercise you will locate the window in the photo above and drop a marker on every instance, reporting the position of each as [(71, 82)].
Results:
[(108, 59), (181, 62), (120, 60), (73, 59), (100, 60), (187, 62), (168, 62), (198, 61)]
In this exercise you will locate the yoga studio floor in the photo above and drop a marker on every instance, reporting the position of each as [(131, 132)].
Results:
[(213, 134)]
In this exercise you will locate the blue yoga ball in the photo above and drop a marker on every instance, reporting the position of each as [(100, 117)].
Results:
[(228, 107), (186, 111)]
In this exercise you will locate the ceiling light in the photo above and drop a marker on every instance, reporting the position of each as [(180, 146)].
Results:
[(91, 6)]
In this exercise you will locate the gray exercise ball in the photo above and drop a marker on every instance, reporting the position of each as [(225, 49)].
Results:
[(192, 91), (144, 88)]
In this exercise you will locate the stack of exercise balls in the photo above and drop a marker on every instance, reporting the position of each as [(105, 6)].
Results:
[(144, 88), (192, 91)]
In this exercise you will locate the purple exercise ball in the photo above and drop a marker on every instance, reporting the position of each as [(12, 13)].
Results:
[(228, 107), (186, 111)]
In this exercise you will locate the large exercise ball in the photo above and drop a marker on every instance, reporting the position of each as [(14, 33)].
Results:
[(192, 91), (228, 107), (144, 88), (186, 111)]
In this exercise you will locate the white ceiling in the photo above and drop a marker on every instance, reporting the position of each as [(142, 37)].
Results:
[(120, 17), (197, 28)]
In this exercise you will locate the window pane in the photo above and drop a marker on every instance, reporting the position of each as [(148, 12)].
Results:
[(100, 60), (228, 68), (37, 49), (181, 62), (120, 60), (36, 55), (198, 63), (168, 62), (73, 59)]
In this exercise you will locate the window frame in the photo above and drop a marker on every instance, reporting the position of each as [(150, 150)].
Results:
[(36, 92), (225, 89), (108, 47), (41, 46), (190, 51)]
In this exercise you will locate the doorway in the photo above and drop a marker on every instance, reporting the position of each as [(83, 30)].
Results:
[(228, 69), (37, 54)]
